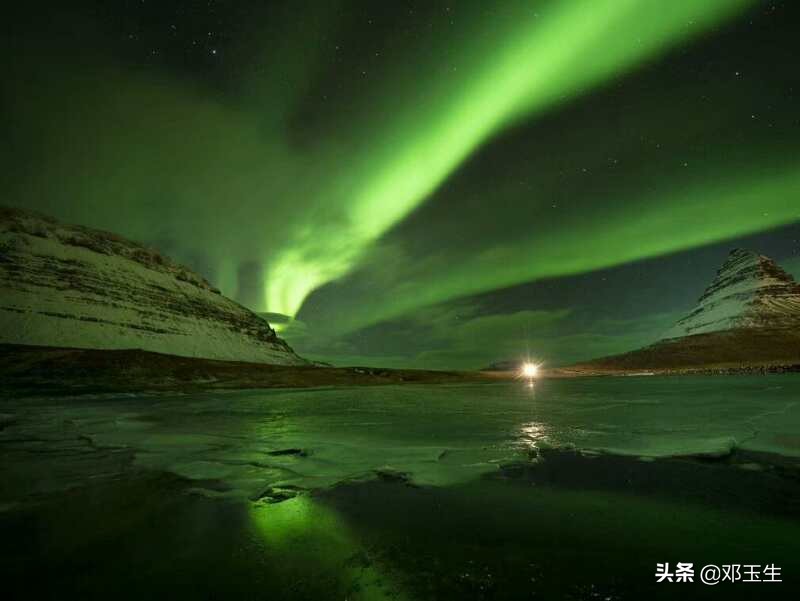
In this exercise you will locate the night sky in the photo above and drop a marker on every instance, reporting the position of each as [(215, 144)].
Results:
[(428, 184)]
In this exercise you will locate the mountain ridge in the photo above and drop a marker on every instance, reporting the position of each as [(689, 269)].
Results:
[(72, 286), (748, 317), (749, 291)]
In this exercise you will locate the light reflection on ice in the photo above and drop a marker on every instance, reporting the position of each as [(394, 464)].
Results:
[(303, 532), (437, 435), (533, 434)]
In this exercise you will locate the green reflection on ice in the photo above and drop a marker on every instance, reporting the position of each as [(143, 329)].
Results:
[(314, 540)]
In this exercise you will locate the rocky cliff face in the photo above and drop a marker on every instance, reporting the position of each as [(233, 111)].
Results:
[(70, 286), (750, 291)]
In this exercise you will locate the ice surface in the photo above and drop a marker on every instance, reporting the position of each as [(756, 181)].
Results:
[(438, 435)]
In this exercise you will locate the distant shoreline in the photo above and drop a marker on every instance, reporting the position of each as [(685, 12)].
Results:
[(723, 369), (32, 371), (36, 370)]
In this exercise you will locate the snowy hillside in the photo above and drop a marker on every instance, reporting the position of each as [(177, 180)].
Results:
[(750, 291), (70, 286)]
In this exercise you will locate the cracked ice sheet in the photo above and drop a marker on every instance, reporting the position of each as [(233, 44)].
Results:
[(437, 434)]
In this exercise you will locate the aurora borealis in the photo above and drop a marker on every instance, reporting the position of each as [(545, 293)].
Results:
[(428, 184), (526, 62)]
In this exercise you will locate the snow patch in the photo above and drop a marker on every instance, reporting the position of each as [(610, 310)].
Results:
[(749, 291), (69, 286)]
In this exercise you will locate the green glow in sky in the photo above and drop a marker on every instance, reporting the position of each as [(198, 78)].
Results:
[(725, 207), (530, 58), (411, 161)]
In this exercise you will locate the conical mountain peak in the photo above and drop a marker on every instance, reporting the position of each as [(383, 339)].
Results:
[(749, 291)]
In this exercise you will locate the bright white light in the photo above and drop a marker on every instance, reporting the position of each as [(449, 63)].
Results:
[(529, 370)]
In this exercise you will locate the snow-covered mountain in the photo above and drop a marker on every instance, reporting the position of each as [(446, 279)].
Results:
[(750, 291), (71, 286)]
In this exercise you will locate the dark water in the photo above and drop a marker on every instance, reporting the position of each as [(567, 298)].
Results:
[(576, 490)]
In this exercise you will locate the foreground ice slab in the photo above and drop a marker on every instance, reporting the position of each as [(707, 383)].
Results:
[(270, 443)]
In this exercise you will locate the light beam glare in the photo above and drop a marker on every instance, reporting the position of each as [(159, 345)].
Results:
[(529, 370)]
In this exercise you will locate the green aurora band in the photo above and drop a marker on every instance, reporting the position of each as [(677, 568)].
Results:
[(634, 230), (219, 179), (524, 62)]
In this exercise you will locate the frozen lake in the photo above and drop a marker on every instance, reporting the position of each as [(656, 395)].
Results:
[(401, 492), (436, 435)]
